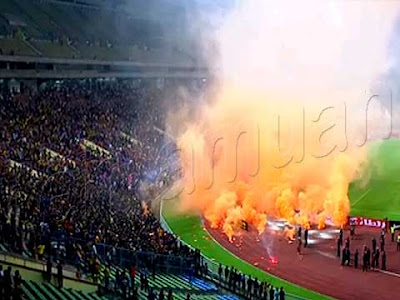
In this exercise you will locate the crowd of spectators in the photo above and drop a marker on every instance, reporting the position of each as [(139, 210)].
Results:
[(251, 288), (71, 159), (10, 285), (71, 162)]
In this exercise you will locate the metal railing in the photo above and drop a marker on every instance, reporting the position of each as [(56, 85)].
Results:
[(65, 249)]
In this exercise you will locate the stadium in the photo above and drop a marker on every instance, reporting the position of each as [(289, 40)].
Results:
[(199, 150)]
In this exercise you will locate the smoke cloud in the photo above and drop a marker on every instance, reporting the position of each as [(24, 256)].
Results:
[(293, 107)]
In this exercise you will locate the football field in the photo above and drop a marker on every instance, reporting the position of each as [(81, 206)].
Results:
[(377, 195)]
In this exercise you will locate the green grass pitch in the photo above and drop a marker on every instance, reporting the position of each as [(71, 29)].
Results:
[(377, 195)]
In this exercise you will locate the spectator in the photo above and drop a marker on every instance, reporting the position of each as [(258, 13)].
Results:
[(170, 295), (277, 294), (1, 281), (151, 295), (271, 292), (49, 267), (142, 283), (124, 285), (205, 270), (281, 294), (78, 273), (132, 274), (60, 275), (7, 283), (161, 294), (191, 273), (134, 295), (17, 279), (17, 290), (107, 277)]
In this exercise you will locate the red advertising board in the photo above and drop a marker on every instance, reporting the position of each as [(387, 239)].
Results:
[(359, 221)]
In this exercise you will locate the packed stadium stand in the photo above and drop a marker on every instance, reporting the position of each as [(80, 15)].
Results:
[(84, 154), (71, 163)]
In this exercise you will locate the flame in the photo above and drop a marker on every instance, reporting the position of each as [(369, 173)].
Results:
[(289, 233), (277, 139), (226, 186), (273, 260)]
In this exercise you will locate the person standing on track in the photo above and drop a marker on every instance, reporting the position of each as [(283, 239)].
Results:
[(305, 237), (356, 259), (299, 243), (392, 232), (373, 244), (377, 256), (352, 231), (299, 235), (373, 260), (344, 254), (365, 262), (338, 247), (384, 260), (347, 243), (347, 251), (398, 242), (368, 258)]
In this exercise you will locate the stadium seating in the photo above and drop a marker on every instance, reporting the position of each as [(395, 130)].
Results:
[(44, 291), (16, 47), (117, 37), (104, 53), (54, 49)]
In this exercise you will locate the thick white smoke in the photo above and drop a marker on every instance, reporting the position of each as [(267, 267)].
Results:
[(301, 74)]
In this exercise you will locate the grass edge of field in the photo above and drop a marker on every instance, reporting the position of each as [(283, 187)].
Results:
[(189, 229)]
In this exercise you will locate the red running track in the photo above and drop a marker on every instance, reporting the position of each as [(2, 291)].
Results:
[(319, 269)]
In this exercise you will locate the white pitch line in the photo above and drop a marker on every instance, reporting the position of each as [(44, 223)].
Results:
[(362, 197), (389, 273), (329, 255)]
